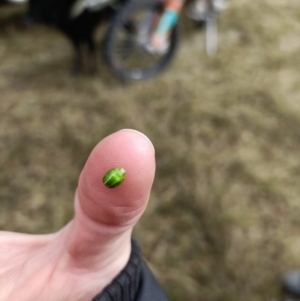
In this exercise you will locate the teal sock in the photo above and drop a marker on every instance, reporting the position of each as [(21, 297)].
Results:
[(167, 21)]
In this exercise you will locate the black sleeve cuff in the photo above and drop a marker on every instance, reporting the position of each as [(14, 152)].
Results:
[(135, 282)]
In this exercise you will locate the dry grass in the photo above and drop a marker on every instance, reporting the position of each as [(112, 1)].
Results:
[(223, 221)]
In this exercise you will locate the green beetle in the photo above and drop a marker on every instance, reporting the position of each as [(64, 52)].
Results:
[(114, 177)]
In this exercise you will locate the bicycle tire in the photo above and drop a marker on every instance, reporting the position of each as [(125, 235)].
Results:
[(120, 25)]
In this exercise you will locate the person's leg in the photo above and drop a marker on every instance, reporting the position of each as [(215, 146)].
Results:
[(169, 18)]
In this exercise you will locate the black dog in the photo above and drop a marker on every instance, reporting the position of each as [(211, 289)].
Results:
[(75, 19)]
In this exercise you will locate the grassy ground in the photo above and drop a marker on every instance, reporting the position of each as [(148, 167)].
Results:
[(223, 221)]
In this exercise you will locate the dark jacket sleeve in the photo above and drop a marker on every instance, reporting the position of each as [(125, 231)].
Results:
[(135, 282)]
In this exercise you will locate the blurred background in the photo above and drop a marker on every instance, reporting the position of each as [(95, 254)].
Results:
[(223, 218)]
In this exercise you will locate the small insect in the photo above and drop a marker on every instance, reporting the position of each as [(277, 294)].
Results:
[(114, 177)]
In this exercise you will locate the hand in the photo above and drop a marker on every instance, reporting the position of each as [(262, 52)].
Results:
[(77, 262)]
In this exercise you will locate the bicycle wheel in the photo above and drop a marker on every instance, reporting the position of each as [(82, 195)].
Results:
[(127, 41)]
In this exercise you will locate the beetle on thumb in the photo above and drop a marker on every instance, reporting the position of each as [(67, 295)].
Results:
[(114, 177)]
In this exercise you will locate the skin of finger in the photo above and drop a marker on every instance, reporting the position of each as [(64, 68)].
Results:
[(124, 204), (104, 218)]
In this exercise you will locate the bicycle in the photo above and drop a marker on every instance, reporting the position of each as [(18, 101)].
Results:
[(128, 44)]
